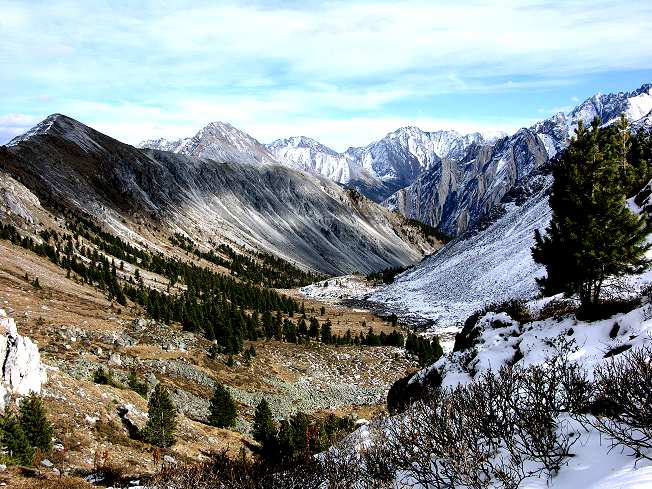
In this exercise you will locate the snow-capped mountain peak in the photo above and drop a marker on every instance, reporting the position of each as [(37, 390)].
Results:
[(219, 141)]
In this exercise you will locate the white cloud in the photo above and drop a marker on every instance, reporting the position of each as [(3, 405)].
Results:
[(279, 70)]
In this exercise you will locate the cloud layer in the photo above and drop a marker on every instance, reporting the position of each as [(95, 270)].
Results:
[(343, 72)]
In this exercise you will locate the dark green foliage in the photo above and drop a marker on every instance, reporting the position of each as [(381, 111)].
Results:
[(223, 411), (14, 440), (392, 339), (326, 332), (136, 385), (263, 269), (386, 276), (301, 436), (263, 429), (162, 419), (104, 377), (637, 153), (407, 390), (430, 231), (314, 327), (35, 424), (427, 351), (212, 303), (593, 235)]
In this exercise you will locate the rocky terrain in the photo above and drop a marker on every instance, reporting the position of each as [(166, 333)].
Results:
[(77, 330), (144, 195)]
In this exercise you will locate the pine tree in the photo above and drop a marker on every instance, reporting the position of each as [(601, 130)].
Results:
[(592, 235), (35, 424), (263, 429), (162, 419), (13, 439), (326, 334), (223, 411)]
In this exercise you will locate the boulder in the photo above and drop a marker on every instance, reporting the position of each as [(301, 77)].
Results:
[(22, 370)]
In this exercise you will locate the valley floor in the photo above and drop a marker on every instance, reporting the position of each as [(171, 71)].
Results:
[(78, 330)]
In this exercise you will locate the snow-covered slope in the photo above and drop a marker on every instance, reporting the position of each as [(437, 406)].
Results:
[(299, 216), (490, 265), (310, 155), (382, 167), (500, 340)]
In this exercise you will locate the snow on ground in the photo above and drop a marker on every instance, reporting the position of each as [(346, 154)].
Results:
[(468, 273), (339, 288), (501, 337), (594, 464)]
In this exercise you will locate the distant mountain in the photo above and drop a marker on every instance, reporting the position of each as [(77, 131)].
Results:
[(219, 141), (382, 167), (492, 261), (219, 189), (456, 193), (443, 178)]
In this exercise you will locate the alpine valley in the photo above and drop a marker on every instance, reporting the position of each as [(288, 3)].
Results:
[(214, 311)]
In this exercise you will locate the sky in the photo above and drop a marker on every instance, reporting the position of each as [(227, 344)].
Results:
[(343, 72)]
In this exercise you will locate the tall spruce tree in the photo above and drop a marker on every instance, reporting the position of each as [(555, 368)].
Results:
[(263, 429), (593, 235), (34, 422), (223, 411), (162, 419)]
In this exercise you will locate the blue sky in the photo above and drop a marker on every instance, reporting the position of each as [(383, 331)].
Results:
[(345, 73)]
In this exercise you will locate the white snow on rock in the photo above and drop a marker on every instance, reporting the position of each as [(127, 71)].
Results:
[(22, 370), (335, 289), (501, 337), (593, 464)]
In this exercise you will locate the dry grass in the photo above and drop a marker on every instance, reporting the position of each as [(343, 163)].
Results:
[(342, 318)]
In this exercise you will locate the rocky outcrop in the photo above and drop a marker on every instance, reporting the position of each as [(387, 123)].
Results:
[(22, 370)]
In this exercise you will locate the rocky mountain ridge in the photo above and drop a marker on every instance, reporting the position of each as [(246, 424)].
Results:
[(301, 217), (442, 178), (455, 194)]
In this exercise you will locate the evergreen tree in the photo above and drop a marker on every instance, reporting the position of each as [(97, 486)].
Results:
[(35, 424), (263, 429), (162, 419), (13, 439), (326, 334), (223, 411), (286, 448), (314, 327), (592, 235)]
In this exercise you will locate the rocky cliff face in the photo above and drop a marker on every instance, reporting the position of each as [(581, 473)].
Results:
[(455, 194), (22, 371), (382, 167), (299, 216)]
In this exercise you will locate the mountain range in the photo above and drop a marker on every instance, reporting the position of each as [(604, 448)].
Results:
[(215, 198), (442, 178)]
